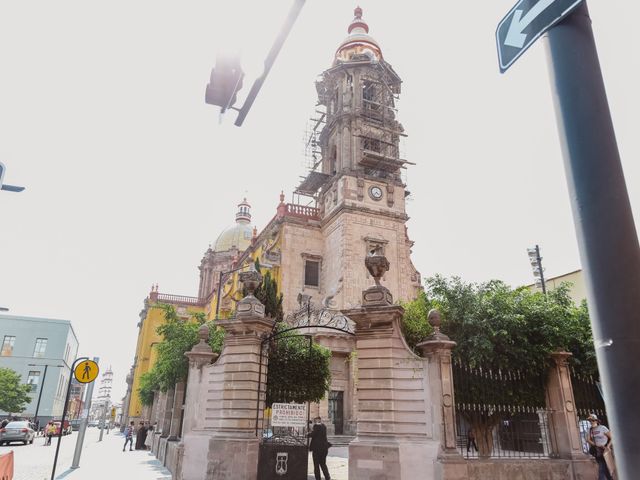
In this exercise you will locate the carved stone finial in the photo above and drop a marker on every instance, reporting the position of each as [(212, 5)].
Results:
[(434, 319), (281, 196), (378, 265), (250, 305), (203, 333)]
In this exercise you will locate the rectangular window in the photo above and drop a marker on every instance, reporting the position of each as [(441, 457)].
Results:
[(7, 345), (33, 379), (41, 347), (311, 273), (368, 91)]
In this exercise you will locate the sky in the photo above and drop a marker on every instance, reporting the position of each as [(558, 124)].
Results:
[(130, 176)]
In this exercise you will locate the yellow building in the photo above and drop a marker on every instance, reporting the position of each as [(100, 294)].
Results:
[(577, 290)]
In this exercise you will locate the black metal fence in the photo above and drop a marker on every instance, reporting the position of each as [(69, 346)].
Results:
[(588, 397), (501, 414)]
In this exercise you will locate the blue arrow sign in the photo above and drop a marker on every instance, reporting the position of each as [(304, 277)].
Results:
[(525, 23)]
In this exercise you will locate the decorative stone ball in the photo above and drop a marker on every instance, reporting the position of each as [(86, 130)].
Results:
[(434, 319), (203, 332)]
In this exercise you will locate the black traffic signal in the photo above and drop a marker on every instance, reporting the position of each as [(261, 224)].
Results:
[(226, 81)]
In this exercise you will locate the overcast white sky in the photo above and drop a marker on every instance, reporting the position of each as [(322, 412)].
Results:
[(130, 176)]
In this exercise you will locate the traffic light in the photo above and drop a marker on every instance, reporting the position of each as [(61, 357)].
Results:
[(226, 81), (9, 188)]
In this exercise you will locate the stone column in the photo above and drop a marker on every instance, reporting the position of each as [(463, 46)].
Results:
[(176, 412), (563, 420), (436, 349), (224, 445)]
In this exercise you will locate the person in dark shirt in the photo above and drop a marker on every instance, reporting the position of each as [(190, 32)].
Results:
[(319, 448)]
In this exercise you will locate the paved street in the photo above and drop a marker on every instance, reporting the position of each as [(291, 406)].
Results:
[(337, 462), (100, 460)]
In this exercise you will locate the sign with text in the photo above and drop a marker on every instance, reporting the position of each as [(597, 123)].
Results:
[(525, 23), (289, 415)]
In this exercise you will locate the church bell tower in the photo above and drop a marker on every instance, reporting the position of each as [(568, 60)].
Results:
[(358, 184)]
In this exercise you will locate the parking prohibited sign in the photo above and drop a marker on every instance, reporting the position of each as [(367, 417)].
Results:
[(86, 371)]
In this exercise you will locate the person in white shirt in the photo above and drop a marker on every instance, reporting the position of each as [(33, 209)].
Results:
[(600, 438)]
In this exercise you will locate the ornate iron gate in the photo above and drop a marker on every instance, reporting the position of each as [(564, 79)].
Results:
[(284, 449)]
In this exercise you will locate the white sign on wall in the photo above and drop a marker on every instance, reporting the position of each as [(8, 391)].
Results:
[(289, 415)]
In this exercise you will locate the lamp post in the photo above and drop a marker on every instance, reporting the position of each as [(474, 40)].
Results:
[(220, 277), (536, 264), (44, 376)]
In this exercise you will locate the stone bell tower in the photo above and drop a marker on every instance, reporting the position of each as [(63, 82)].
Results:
[(359, 188)]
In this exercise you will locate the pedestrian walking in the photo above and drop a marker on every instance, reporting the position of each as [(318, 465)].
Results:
[(128, 437), (471, 440), (50, 431), (319, 448), (149, 440), (599, 439)]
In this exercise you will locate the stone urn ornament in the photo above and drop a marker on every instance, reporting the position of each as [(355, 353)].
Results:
[(377, 265), (250, 305)]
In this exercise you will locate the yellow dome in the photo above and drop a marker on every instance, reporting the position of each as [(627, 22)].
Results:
[(239, 235)]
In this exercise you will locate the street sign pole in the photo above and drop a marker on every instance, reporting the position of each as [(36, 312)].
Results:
[(604, 225), (64, 414), (83, 424)]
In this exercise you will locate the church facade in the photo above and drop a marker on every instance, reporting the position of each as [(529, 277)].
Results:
[(350, 204)]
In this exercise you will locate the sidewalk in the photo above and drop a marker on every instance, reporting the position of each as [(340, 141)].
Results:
[(106, 460), (337, 463)]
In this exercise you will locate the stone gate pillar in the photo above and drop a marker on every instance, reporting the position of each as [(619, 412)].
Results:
[(563, 418), (436, 349), (223, 445), (199, 356), (395, 433), (176, 411)]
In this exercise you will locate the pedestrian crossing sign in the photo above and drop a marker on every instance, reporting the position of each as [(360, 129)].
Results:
[(86, 371)]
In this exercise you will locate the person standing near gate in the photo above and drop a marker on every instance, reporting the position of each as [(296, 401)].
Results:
[(319, 448), (599, 438)]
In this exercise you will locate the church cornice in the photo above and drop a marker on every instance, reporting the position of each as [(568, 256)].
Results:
[(359, 209)]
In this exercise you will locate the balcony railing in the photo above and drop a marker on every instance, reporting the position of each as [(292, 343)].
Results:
[(178, 299), (302, 211)]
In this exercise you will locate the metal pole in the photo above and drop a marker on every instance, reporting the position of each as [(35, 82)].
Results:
[(64, 414), (219, 293), (44, 377), (83, 424), (271, 58), (539, 260), (604, 225), (103, 420)]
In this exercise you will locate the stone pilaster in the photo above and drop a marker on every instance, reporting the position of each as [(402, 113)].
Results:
[(167, 409), (563, 419), (176, 411)]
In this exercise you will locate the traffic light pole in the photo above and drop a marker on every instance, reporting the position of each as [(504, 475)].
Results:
[(604, 225), (271, 58)]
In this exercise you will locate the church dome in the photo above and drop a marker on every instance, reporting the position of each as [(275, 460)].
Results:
[(239, 235), (359, 42)]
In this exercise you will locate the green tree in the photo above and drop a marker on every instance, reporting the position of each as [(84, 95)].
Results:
[(502, 329), (14, 395), (178, 337), (267, 293), (298, 371)]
